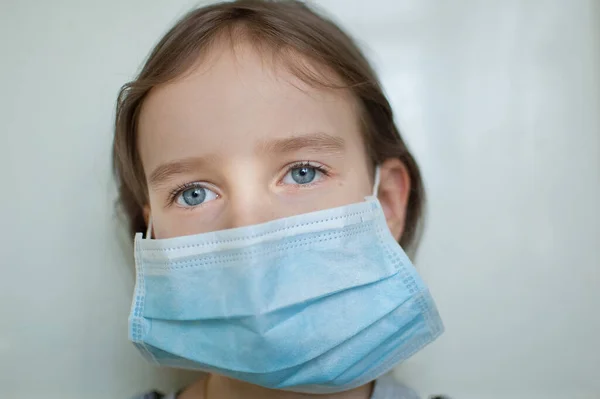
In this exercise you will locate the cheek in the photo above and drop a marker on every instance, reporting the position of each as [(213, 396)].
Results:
[(168, 222), (350, 191), (183, 223), (352, 188)]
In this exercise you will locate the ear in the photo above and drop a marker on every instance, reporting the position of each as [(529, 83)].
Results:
[(394, 190)]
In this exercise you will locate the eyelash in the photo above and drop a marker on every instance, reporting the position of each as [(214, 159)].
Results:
[(302, 164), (177, 191), (308, 164)]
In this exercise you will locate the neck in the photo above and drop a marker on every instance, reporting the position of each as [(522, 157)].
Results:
[(220, 387)]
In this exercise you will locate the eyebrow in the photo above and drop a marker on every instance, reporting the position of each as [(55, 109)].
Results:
[(166, 171), (321, 142), (313, 141)]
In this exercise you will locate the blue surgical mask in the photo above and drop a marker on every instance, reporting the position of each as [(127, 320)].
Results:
[(321, 302)]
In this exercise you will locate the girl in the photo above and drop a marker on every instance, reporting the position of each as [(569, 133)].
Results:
[(258, 152)]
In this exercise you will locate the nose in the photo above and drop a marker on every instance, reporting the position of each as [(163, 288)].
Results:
[(246, 215), (249, 204)]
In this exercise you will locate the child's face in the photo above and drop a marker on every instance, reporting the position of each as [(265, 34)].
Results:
[(240, 142)]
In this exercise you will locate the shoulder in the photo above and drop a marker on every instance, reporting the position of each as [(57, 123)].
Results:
[(386, 387), (195, 390), (154, 395)]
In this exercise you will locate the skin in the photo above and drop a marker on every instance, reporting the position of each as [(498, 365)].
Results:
[(234, 131)]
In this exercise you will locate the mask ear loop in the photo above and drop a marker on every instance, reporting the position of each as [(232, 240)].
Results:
[(376, 182), (149, 229)]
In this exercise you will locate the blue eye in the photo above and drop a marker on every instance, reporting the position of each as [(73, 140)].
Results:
[(194, 196), (304, 174)]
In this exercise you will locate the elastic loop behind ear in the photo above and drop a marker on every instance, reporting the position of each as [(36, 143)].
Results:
[(149, 229), (376, 181)]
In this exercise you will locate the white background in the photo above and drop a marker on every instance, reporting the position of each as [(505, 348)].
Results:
[(500, 101)]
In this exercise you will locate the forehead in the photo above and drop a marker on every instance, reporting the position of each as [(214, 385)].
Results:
[(232, 100)]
